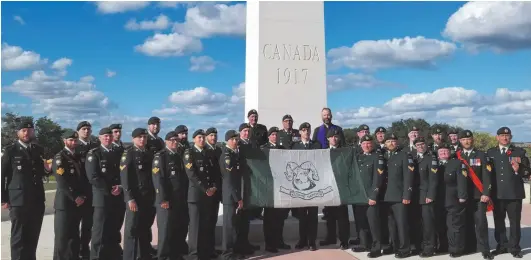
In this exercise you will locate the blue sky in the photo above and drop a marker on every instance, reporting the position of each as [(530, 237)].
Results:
[(124, 62)]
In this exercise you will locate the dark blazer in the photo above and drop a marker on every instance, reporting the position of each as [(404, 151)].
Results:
[(67, 170), (169, 177), (428, 181), (400, 172), (455, 179), (103, 171), (507, 183), (199, 168), (231, 170)]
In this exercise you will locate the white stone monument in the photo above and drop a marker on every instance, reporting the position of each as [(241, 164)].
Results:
[(291, 68)]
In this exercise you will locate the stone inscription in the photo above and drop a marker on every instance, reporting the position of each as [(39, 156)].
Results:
[(292, 52)]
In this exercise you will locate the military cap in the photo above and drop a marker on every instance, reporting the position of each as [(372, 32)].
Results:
[(414, 128), (198, 132), (366, 138), (231, 134), (419, 140), (153, 120), (83, 124), (252, 112), (138, 132), (287, 117), (452, 131), (305, 125), (115, 126), (243, 126), (181, 129), (503, 130), (67, 134), (443, 146), (24, 123), (273, 129), (211, 130), (105, 131), (332, 132), (436, 130), (465, 134), (380, 129), (391, 136), (170, 135), (363, 127)]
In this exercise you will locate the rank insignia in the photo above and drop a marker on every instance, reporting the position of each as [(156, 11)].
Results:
[(380, 171), (60, 171), (122, 167), (489, 168), (464, 173), (188, 165), (411, 168), (155, 170), (434, 170)]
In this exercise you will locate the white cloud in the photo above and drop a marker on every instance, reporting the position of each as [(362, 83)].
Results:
[(61, 64), (454, 105), (196, 96), (417, 52), (355, 80), (13, 107), (207, 20), (109, 73), (502, 26), (19, 19), (15, 58), (202, 64), (111, 7), (166, 45), (167, 111), (161, 22)]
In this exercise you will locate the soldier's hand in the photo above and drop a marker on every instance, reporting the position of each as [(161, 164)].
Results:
[(405, 202), (214, 189), (5, 205), (116, 190), (165, 204), (372, 202), (209, 192), (484, 198), (132, 206), (79, 201), (515, 165), (462, 200), (240, 204), (428, 200)]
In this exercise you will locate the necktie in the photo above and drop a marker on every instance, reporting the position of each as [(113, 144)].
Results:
[(503, 150), (467, 154)]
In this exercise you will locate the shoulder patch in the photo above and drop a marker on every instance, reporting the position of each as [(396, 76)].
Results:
[(434, 162), (60, 171), (155, 170)]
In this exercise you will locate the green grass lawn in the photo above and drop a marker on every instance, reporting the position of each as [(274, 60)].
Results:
[(50, 186)]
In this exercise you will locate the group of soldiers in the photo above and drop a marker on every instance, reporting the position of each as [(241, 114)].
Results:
[(424, 198)]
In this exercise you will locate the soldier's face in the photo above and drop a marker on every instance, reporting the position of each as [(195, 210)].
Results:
[(326, 116), (305, 133), (367, 146), (183, 135), (413, 135), (273, 137), (390, 145), (106, 139), (140, 141), (212, 138), (172, 143), (363, 133), (504, 139), (70, 143), (84, 132), (25, 134), (437, 138), (116, 134), (253, 119), (199, 140), (244, 134), (333, 140), (233, 143), (287, 124), (443, 154), (453, 138), (154, 128), (467, 143), (421, 147), (380, 136)]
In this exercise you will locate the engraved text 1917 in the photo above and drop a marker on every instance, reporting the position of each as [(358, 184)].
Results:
[(291, 52)]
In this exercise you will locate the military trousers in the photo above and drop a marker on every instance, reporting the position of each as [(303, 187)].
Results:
[(213, 223), (26, 223), (66, 234), (441, 227), (513, 209), (273, 226), (476, 229), (171, 224), (415, 224), (455, 221), (337, 223), (368, 226), (234, 220), (307, 225), (86, 219), (106, 230), (137, 231), (200, 233), (429, 240), (398, 226)]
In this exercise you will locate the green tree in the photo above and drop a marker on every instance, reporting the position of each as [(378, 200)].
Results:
[(401, 128), (351, 135), (484, 141), (49, 137), (9, 127)]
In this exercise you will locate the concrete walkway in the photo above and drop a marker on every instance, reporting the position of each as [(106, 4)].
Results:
[(45, 248)]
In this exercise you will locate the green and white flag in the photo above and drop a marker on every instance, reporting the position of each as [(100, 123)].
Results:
[(303, 178)]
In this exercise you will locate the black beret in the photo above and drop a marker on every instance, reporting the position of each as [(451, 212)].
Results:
[(252, 112), (243, 126), (170, 135), (211, 130), (153, 120), (138, 132), (465, 134), (414, 128), (380, 129), (452, 132), (419, 140), (181, 129), (198, 132), (391, 136), (67, 134), (366, 138), (115, 126), (231, 134), (272, 130), (503, 130), (331, 132), (287, 117), (83, 124), (305, 125), (24, 123), (105, 131), (363, 127), (443, 146), (436, 130)]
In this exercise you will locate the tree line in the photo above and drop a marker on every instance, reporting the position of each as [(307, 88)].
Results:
[(48, 133)]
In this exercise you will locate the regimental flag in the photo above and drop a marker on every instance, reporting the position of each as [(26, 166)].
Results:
[(303, 178)]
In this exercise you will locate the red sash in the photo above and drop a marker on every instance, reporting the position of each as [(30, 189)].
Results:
[(475, 179)]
